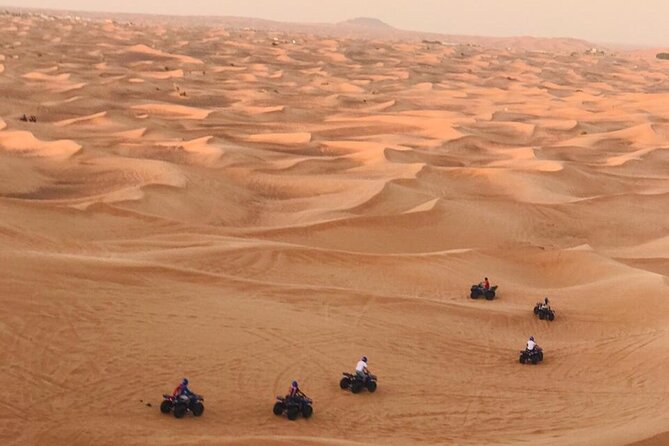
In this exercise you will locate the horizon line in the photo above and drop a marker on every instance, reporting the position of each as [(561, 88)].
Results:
[(620, 45)]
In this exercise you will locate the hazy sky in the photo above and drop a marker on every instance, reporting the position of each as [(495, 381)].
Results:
[(616, 21)]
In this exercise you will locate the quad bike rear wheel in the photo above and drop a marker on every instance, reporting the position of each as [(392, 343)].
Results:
[(345, 383), (278, 408)]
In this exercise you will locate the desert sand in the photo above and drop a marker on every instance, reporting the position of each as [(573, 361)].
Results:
[(233, 207)]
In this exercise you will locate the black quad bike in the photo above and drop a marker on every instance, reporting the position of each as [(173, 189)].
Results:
[(544, 313), (293, 406), (356, 383), (182, 404), (480, 291), (531, 356)]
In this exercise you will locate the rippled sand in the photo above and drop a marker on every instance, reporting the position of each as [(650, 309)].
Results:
[(203, 202)]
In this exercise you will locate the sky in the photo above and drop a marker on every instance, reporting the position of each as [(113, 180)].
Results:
[(604, 21)]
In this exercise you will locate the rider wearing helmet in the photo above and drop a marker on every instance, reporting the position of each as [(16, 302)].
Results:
[(182, 390), (361, 368), (531, 344)]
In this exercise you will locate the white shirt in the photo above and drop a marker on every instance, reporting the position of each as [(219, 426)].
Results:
[(531, 344), (361, 366)]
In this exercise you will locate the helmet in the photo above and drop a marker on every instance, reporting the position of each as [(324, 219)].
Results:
[(184, 382), (294, 384), (364, 359), (486, 278), (531, 338)]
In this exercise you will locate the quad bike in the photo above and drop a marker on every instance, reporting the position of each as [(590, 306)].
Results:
[(480, 291), (544, 312), (531, 356), (182, 404), (356, 383), (293, 406)]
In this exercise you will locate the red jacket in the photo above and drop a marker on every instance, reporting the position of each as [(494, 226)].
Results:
[(293, 391), (177, 391)]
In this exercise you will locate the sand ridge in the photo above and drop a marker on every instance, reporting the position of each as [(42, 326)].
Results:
[(249, 207)]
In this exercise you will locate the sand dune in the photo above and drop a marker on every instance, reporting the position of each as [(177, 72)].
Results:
[(199, 147), (173, 111), (164, 74), (281, 138), (39, 76), (262, 110), (96, 118), (131, 134), (214, 203), (25, 144), (148, 51)]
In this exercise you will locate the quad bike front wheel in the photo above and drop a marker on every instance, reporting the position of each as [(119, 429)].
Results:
[(371, 386), (166, 406), (307, 411), (197, 409), (292, 413)]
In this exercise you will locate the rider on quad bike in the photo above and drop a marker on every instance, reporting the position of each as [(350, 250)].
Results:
[(293, 404), (361, 369), (486, 284), (532, 353), (181, 401)]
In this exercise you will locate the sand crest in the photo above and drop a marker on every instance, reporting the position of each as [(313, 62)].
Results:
[(143, 49), (173, 111), (281, 138)]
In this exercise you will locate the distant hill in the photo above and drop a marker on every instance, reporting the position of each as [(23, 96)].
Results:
[(366, 22), (357, 28), (371, 28)]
